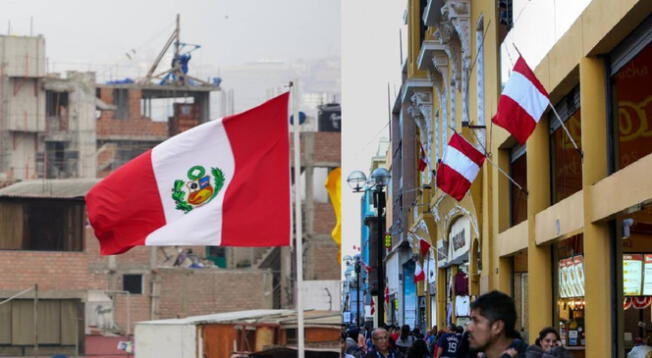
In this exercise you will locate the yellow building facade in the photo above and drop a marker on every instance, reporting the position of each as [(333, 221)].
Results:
[(573, 246)]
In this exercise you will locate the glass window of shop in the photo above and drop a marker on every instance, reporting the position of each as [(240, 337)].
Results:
[(635, 237), (517, 197), (520, 292), (632, 106), (568, 274), (566, 162)]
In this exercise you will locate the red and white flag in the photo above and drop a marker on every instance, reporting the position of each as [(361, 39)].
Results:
[(424, 246), (523, 101), (422, 158), (386, 295), (419, 275), (459, 168), (222, 183)]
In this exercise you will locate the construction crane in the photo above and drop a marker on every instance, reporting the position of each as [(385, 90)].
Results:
[(177, 74)]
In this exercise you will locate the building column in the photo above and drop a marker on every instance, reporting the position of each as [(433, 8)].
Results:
[(597, 253), (539, 259)]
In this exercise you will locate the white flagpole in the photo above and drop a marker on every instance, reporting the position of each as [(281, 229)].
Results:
[(298, 219)]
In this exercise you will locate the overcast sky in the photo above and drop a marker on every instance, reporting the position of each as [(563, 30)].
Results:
[(370, 60), (81, 32)]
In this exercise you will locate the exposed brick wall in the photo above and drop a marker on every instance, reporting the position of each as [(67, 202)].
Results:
[(321, 260), (188, 292), (324, 218), (64, 271), (328, 147), (134, 125)]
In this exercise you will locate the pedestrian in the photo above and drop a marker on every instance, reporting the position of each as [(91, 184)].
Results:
[(448, 343), (351, 343), (405, 339), (491, 330), (641, 350), (547, 345), (381, 348), (418, 350), (431, 339)]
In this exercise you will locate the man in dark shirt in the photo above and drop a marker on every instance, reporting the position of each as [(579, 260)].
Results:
[(381, 348), (448, 343)]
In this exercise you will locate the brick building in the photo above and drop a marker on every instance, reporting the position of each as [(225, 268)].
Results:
[(72, 131)]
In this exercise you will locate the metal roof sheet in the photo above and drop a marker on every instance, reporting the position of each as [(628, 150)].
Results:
[(49, 188)]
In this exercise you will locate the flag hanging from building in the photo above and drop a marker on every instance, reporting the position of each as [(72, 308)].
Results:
[(424, 246), (460, 166), (423, 163), (386, 295), (523, 101), (334, 187), (222, 183), (419, 275)]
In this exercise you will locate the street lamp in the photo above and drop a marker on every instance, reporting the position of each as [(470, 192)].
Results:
[(378, 181)]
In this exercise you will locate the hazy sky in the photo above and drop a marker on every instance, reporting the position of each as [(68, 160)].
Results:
[(370, 60), (82, 32)]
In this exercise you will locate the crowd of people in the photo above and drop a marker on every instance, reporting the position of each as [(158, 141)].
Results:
[(490, 333)]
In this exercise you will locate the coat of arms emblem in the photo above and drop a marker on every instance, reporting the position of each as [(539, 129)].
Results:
[(199, 189)]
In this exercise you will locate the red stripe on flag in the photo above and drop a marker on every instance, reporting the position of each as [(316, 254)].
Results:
[(126, 206), (459, 143), (522, 68), (452, 182), (256, 209), (514, 119)]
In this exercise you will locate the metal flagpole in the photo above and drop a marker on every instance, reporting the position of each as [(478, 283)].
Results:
[(298, 218)]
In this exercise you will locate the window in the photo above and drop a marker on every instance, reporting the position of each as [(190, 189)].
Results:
[(566, 163), (41, 224), (121, 101), (422, 25), (217, 254), (632, 112), (132, 284), (517, 197)]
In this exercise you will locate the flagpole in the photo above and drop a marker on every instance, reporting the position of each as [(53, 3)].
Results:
[(298, 219), (577, 148)]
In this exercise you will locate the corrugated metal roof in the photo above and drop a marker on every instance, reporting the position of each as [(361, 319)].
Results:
[(221, 317), (283, 317), (49, 188)]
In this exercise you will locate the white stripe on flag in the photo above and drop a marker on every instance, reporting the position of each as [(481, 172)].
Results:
[(460, 163), (526, 94), (206, 145)]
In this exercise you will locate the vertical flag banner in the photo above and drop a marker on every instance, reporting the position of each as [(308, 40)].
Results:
[(419, 275), (334, 187), (422, 158), (459, 168), (223, 183), (424, 247), (523, 101)]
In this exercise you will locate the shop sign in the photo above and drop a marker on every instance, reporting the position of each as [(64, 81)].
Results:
[(459, 240), (571, 277), (392, 273), (432, 270), (632, 274), (442, 253), (647, 283)]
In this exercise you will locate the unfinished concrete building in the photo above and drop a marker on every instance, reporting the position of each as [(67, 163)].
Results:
[(58, 133)]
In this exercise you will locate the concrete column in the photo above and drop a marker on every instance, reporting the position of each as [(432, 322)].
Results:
[(505, 275), (597, 253), (539, 265), (441, 298)]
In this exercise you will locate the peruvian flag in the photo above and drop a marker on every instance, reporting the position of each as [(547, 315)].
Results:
[(223, 183), (424, 246), (419, 275), (522, 102), (387, 295), (460, 166), (422, 158)]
